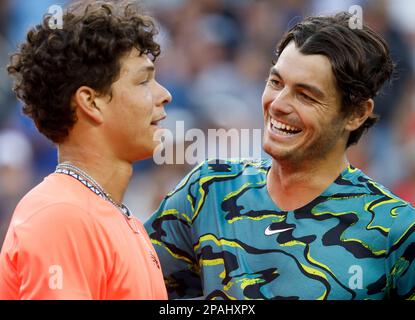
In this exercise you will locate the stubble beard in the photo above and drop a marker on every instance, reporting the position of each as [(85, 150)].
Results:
[(315, 152)]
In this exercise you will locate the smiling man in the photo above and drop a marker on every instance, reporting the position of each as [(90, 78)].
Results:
[(90, 88), (305, 224)]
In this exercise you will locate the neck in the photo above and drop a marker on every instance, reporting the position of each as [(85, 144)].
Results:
[(293, 186), (112, 174)]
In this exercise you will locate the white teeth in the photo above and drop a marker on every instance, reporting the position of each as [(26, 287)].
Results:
[(279, 125)]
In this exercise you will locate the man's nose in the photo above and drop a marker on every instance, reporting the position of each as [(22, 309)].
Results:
[(164, 95), (281, 102)]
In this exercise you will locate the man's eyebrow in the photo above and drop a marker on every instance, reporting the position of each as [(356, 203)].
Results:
[(313, 89), (274, 72), (145, 69)]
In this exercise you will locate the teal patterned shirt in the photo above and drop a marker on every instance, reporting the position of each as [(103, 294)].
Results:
[(218, 234)]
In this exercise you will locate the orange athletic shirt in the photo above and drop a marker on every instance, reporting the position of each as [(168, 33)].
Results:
[(66, 242)]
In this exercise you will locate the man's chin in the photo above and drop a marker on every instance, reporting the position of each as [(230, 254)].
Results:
[(143, 152), (277, 153)]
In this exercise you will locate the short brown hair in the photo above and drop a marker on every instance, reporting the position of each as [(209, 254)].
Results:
[(360, 59), (53, 63)]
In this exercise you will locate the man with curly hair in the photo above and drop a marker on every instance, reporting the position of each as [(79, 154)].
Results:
[(90, 88)]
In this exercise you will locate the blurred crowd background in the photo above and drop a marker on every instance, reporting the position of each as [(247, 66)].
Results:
[(215, 57)]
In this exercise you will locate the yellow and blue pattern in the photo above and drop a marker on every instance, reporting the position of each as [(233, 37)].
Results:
[(219, 235)]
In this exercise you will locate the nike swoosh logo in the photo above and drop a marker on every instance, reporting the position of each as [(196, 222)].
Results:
[(269, 232)]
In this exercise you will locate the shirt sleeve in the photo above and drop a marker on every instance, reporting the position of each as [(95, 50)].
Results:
[(55, 254), (170, 230), (400, 259)]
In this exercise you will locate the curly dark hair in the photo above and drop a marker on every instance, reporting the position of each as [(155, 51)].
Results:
[(53, 63), (360, 59)]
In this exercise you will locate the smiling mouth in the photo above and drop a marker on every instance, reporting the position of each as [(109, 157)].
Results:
[(283, 129)]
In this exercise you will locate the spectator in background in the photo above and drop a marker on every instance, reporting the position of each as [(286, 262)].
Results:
[(22, 15), (405, 187), (15, 173), (384, 153), (7, 99)]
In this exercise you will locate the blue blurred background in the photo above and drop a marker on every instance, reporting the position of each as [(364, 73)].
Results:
[(215, 57)]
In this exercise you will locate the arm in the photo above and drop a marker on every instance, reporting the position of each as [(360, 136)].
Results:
[(401, 255), (170, 230)]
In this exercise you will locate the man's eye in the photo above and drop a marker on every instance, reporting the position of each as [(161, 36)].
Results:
[(306, 97), (274, 82), (144, 82)]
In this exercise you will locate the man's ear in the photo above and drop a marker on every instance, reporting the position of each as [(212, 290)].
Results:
[(360, 115), (86, 101)]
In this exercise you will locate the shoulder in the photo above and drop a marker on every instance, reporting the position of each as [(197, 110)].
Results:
[(57, 197), (235, 166), (54, 229), (223, 170), (379, 195), (52, 220), (403, 227), (56, 206), (389, 208)]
